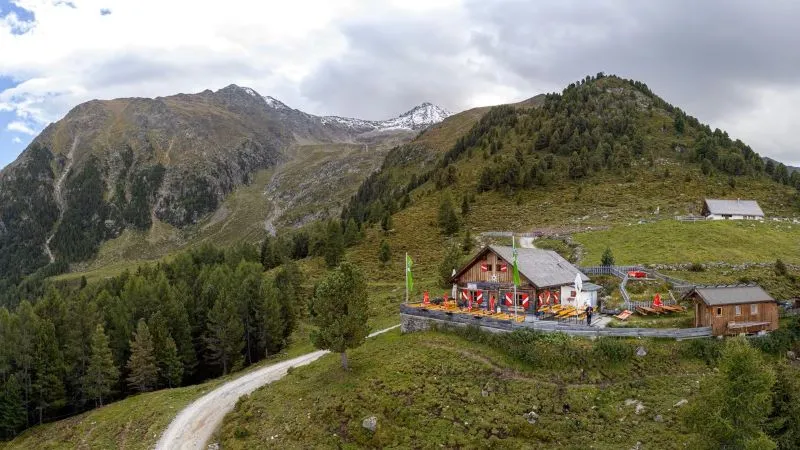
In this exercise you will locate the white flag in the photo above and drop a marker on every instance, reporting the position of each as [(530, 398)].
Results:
[(578, 283)]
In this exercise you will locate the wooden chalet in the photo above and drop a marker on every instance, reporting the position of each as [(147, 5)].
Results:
[(546, 279), (731, 310)]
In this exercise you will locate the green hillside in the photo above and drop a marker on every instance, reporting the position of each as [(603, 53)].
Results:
[(434, 390)]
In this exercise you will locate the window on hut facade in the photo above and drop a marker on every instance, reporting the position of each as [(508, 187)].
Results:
[(753, 309), (719, 312), (738, 310)]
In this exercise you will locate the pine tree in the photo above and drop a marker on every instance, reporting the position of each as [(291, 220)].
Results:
[(734, 405), (171, 366), (466, 243), (287, 284), (12, 409), (101, 374), (351, 234), (225, 335), (784, 421), (608, 258), (271, 335), (48, 387), (384, 252), (334, 244), (387, 224), (142, 364), (341, 308), (448, 220)]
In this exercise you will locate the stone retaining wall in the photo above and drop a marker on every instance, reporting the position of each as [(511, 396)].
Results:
[(419, 319)]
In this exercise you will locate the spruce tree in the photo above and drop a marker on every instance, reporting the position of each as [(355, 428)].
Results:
[(334, 244), (341, 308), (466, 243), (48, 387), (448, 220), (287, 284), (225, 335), (351, 234), (733, 406), (608, 258), (271, 335), (142, 364), (387, 224), (12, 409), (101, 374), (384, 252), (171, 366)]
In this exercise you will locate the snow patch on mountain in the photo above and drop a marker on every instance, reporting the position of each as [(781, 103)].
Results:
[(419, 117)]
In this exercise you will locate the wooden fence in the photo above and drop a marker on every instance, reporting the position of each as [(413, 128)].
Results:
[(417, 319), (621, 272)]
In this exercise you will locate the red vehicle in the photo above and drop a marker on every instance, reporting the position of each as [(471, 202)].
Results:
[(637, 274)]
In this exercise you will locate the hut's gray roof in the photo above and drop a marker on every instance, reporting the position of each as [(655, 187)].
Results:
[(589, 287), (731, 295), (544, 268), (734, 207)]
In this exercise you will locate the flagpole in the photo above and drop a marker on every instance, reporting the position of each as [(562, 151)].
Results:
[(514, 247), (406, 265)]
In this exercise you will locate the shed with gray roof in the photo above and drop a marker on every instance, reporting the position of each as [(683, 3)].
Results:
[(734, 309), (738, 209)]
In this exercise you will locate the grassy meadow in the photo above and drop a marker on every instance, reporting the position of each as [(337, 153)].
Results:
[(434, 390)]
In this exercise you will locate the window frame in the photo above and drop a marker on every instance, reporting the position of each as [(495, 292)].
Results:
[(753, 309), (737, 310), (719, 311)]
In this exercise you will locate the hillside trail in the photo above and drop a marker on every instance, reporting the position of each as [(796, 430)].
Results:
[(193, 427), (62, 206)]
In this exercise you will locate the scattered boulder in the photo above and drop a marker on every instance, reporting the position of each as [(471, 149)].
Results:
[(640, 408), (531, 417), (641, 352), (791, 355), (484, 393), (659, 418), (370, 423), (680, 403)]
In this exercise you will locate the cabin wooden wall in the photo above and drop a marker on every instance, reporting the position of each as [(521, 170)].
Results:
[(474, 273), (767, 312)]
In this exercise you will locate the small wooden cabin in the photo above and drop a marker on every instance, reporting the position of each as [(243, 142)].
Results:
[(731, 310), (546, 278)]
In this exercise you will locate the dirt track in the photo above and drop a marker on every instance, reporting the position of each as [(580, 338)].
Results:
[(192, 428)]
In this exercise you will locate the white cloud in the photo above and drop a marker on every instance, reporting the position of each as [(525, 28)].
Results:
[(16, 140), (20, 127), (379, 58)]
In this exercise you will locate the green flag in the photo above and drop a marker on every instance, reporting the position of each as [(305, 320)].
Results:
[(516, 266), (409, 278)]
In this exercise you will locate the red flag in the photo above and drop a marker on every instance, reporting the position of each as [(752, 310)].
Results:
[(479, 297), (555, 297), (484, 267), (509, 299), (657, 300), (491, 303), (426, 299), (525, 302), (504, 268)]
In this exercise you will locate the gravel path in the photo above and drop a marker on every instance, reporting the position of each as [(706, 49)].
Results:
[(192, 428)]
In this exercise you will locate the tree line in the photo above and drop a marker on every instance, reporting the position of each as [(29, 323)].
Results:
[(206, 313)]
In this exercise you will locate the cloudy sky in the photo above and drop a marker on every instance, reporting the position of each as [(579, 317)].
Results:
[(733, 64)]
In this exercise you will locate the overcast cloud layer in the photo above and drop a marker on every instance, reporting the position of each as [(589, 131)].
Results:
[(731, 64)]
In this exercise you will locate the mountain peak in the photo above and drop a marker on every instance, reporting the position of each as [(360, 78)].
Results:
[(236, 88), (275, 103), (420, 116)]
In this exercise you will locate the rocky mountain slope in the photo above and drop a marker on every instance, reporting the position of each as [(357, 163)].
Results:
[(120, 164)]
